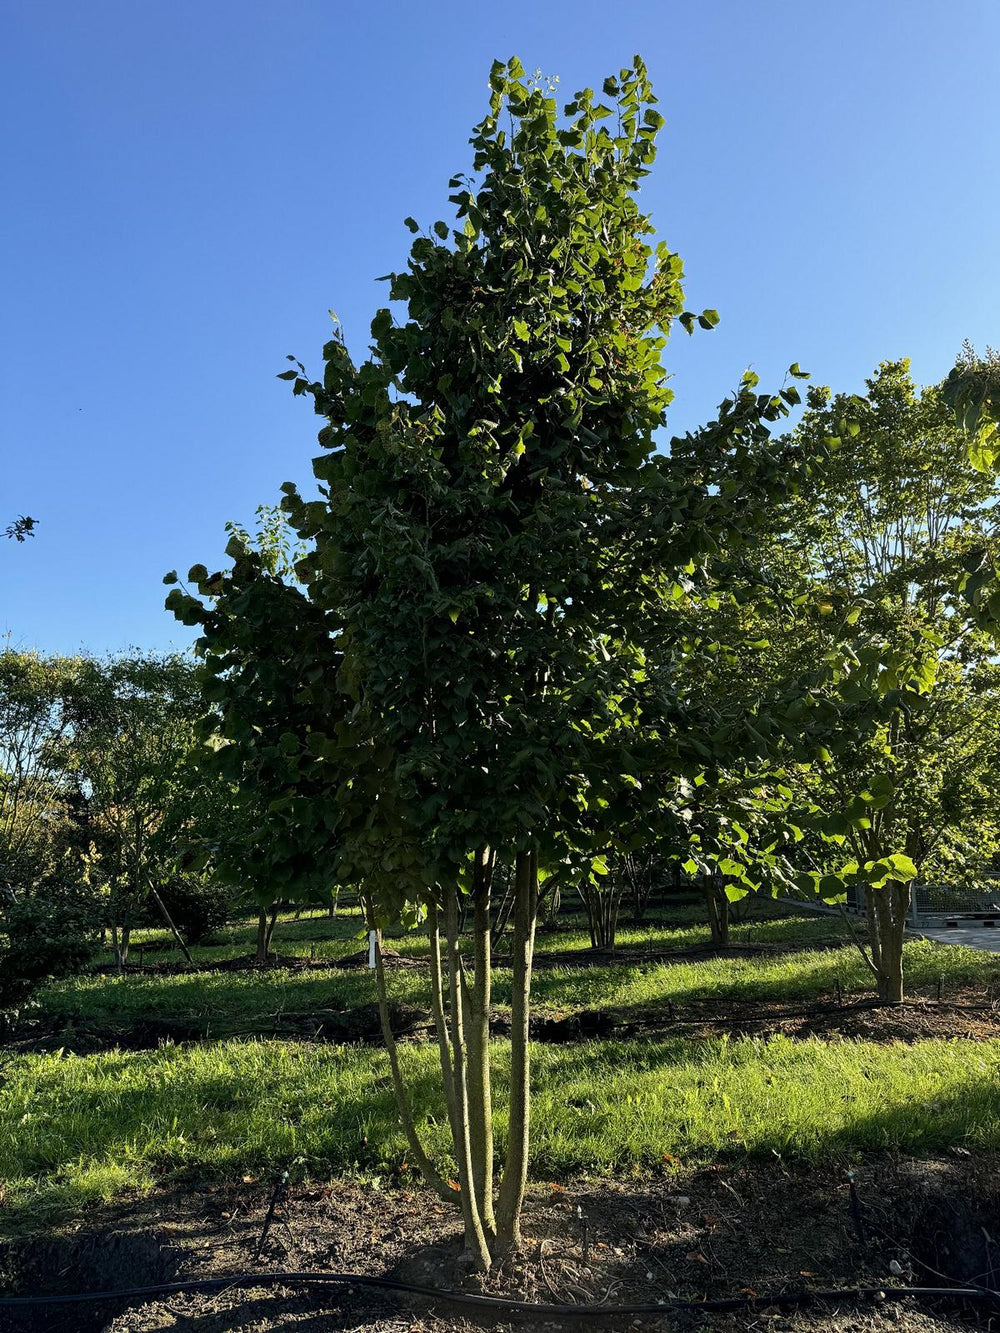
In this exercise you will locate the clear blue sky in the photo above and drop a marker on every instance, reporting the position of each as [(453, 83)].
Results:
[(189, 186)]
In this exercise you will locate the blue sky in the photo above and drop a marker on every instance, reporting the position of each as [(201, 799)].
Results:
[(190, 186)]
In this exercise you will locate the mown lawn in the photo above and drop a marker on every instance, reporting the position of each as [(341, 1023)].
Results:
[(78, 1129), (316, 936), (226, 1003)]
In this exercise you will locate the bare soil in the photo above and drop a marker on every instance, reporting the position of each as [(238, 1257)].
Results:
[(747, 1231)]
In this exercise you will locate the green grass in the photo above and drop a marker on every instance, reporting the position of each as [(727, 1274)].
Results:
[(218, 1002), (318, 937), (222, 1003), (78, 1129)]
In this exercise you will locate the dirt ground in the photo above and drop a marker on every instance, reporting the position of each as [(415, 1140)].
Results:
[(692, 1234)]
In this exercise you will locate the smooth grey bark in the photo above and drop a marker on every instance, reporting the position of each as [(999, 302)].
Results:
[(478, 1037), (515, 1174), (416, 1147), (475, 1237)]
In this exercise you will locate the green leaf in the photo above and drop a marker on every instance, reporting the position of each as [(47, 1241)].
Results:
[(413, 225), (903, 866)]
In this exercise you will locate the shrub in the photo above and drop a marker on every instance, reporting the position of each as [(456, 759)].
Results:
[(197, 906), (47, 933)]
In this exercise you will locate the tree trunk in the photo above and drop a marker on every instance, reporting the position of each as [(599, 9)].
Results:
[(265, 929), (170, 922), (476, 1244), (515, 1172), (718, 910), (116, 945), (637, 869), (478, 1035), (502, 914), (602, 902), (889, 910), (552, 904), (871, 918), (417, 1151)]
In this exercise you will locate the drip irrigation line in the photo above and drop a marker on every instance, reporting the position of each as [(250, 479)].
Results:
[(280, 1188), (509, 1305)]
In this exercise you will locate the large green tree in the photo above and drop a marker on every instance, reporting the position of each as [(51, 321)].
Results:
[(497, 548)]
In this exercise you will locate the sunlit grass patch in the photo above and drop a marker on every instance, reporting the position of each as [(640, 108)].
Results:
[(76, 1129)]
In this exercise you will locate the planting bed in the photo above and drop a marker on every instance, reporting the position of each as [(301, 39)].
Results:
[(724, 1231)]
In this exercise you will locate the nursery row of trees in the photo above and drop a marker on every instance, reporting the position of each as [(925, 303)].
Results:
[(521, 640)]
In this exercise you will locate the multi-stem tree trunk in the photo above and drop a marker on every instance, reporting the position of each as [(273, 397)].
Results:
[(120, 923), (602, 901), (887, 911), (120, 944), (637, 870), (265, 929), (460, 1003)]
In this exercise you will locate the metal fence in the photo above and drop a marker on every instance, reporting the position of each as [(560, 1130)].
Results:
[(949, 899), (929, 901)]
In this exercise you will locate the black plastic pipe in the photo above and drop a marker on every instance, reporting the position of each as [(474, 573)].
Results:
[(495, 1302)]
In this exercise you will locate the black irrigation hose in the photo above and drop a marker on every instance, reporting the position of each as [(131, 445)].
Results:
[(496, 1302)]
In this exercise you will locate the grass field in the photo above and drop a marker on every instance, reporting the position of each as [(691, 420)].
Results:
[(75, 1128), (225, 1003)]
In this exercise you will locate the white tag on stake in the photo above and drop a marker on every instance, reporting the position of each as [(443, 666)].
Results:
[(372, 937)]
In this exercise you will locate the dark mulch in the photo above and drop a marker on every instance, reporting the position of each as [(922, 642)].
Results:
[(690, 1233), (971, 1018), (854, 1019)]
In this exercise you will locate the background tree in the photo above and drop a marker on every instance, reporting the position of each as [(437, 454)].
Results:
[(34, 793), (48, 915), (881, 533), (130, 753)]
